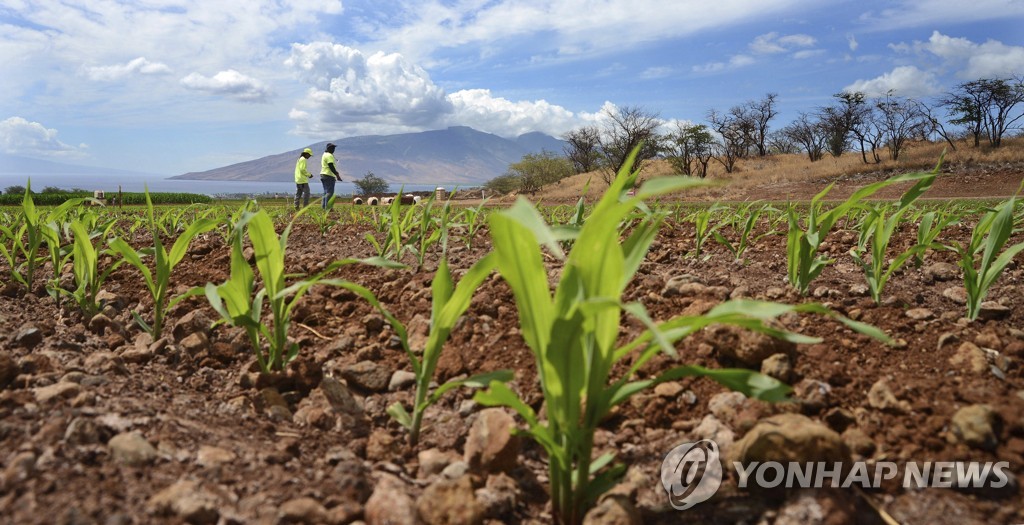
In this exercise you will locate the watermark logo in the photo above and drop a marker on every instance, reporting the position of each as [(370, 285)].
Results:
[(691, 473)]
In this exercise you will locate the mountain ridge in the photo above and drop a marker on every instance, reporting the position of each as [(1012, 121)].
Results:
[(456, 155)]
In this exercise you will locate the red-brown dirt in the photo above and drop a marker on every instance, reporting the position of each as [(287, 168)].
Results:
[(236, 453)]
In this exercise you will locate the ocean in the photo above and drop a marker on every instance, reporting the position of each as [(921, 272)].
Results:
[(110, 184)]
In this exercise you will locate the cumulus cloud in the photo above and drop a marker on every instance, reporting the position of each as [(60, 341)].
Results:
[(21, 137), (904, 81), (351, 92), (991, 59), (852, 42), (228, 83), (137, 66)]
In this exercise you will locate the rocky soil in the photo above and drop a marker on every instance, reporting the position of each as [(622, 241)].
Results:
[(101, 424)]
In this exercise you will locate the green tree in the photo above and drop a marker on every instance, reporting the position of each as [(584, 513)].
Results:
[(371, 184), (581, 147), (52, 189), (537, 169), (503, 184), (625, 130), (689, 149), (986, 107), (14, 190)]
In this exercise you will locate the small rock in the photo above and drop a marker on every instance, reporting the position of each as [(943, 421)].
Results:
[(946, 339), (813, 395), (975, 426), (490, 445), (993, 311), (390, 504), (881, 397), (62, 390), (450, 502), (374, 323), (86, 431), (957, 294), (968, 356), (302, 510), (194, 343), (817, 507), (942, 271), (712, 428), (99, 324), (674, 288), (859, 442), (367, 375), (498, 497), (381, 446), (340, 397), (778, 366), (8, 370), (745, 346), (839, 419), (920, 314), (775, 293), (131, 449), (401, 379), (790, 437), (859, 290), (186, 500), (613, 510), (274, 404), (433, 461), (210, 456), (195, 321), (455, 470), (668, 390), (28, 337)]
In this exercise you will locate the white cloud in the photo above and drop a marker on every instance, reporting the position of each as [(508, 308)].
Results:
[(852, 42), (904, 81), (991, 59), (228, 83), (932, 13), (808, 53), (353, 93), (21, 137), (772, 43), (138, 65), (735, 61), (653, 73)]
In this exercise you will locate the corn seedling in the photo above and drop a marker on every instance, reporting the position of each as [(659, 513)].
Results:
[(85, 263), (238, 306), (158, 278), (802, 260), (989, 237), (930, 225), (31, 226), (473, 221), (449, 302), (573, 333), (747, 218)]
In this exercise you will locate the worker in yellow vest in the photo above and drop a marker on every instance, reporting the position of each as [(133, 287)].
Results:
[(302, 176), (328, 174)]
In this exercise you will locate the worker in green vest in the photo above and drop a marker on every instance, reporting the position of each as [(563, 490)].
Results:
[(302, 176)]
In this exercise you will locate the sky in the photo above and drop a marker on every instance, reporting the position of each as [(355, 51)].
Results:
[(172, 86)]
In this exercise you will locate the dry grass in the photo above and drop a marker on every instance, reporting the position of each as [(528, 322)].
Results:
[(754, 172)]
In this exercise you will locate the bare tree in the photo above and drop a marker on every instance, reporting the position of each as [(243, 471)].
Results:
[(812, 136), (839, 120), (582, 148), (780, 144), (626, 129), (757, 114), (734, 137), (899, 120)]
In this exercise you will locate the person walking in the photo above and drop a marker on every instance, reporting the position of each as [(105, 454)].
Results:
[(302, 176), (328, 174)]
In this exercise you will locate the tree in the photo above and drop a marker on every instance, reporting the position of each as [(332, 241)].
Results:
[(625, 129), (582, 148), (503, 184), (689, 149), (780, 144), (756, 115), (839, 120), (14, 190), (371, 184), (734, 138), (537, 169), (986, 106), (812, 136), (52, 189), (899, 119)]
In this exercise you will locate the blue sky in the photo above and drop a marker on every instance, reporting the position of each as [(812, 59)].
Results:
[(170, 86)]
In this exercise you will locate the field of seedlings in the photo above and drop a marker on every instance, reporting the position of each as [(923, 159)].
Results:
[(444, 363)]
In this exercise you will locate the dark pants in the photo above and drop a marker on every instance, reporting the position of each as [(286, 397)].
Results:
[(328, 183), (302, 193)]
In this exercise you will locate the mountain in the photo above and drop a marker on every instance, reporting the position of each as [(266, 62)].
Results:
[(24, 167), (457, 155)]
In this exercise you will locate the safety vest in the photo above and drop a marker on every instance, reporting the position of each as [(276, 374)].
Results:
[(302, 174), (328, 158)]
